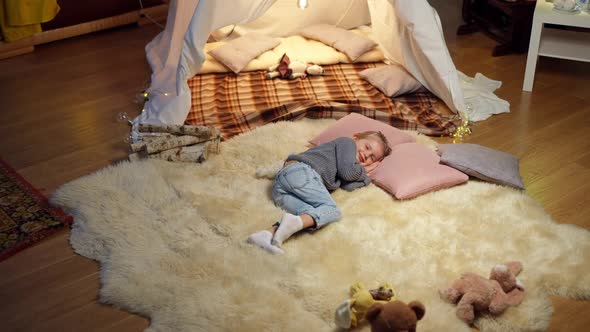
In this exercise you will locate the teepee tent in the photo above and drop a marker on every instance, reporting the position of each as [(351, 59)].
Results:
[(408, 31)]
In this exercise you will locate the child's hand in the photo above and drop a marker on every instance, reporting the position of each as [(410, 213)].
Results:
[(371, 168)]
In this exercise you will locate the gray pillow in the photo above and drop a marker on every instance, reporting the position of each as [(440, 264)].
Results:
[(483, 163)]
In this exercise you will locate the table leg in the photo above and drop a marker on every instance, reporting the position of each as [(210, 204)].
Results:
[(533, 56), (469, 26)]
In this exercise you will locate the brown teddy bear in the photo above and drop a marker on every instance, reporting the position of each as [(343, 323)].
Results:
[(473, 293), (350, 313), (395, 316)]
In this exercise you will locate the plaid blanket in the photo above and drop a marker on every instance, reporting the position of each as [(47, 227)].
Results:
[(238, 103)]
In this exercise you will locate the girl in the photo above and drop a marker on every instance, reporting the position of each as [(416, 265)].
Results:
[(302, 187)]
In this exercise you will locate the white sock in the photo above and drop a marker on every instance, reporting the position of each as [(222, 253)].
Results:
[(290, 224), (262, 240)]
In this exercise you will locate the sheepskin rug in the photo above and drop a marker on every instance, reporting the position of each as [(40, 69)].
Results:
[(171, 241)]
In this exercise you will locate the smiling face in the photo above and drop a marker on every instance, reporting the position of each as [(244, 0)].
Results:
[(369, 151)]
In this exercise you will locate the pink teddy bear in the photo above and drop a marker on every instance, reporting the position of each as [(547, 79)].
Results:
[(473, 293)]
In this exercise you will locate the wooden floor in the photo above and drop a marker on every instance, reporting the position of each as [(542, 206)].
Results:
[(58, 110)]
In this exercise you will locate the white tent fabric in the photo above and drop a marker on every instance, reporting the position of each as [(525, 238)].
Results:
[(480, 98), (284, 19), (163, 54), (409, 32)]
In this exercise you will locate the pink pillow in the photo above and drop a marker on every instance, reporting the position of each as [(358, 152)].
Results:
[(392, 80), (412, 169), (355, 123)]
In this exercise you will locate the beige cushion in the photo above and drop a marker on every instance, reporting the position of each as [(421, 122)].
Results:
[(352, 44), (237, 53), (392, 80), (297, 47)]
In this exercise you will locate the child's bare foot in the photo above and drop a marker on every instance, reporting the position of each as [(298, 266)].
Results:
[(290, 224), (262, 239)]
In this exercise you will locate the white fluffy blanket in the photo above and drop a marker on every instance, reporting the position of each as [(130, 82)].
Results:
[(170, 239)]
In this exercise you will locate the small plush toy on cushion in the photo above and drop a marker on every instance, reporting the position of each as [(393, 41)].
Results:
[(395, 316), (353, 310), (473, 293), (290, 70)]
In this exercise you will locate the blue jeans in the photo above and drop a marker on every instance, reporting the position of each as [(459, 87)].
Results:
[(299, 189)]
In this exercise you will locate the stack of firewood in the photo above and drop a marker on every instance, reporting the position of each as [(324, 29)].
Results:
[(176, 142)]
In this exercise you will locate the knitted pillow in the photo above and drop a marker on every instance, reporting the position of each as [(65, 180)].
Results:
[(483, 163), (412, 169), (236, 54)]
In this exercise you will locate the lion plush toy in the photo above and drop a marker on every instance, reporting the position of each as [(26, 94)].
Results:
[(353, 310), (290, 70), (473, 293), (395, 316)]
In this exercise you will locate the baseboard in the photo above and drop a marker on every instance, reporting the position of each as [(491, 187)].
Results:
[(18, 47), (26, 45), (156, 13)]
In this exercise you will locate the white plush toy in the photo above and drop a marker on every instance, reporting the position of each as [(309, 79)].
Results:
[(290, 70), (564, 4)]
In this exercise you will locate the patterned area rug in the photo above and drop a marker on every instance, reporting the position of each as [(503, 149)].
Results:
[(25, 216)]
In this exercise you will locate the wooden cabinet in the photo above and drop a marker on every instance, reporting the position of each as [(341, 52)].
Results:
[(508, 22)]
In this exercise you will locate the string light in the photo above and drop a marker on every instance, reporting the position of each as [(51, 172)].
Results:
[(145, 96), (463, 130), (123, 117), (302, 4)]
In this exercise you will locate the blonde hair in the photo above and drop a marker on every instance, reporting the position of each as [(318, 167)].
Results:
[(377, 136)]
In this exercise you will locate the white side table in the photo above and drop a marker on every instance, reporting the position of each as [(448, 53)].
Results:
[(556, 43)]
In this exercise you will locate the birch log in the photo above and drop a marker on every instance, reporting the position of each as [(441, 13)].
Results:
[(194, 153), (162, 144), (199, 131), (144, 138), (136, 147), (152, 136), (157, 144)]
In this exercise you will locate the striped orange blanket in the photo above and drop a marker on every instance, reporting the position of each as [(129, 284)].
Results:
[(239, 103)]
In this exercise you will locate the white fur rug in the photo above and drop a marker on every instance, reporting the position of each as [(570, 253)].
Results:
[(171, 242)]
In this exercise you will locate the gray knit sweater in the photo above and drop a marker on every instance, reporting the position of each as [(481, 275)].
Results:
[(336, 163)]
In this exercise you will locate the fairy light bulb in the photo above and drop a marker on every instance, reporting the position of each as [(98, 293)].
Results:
[(464, 129), (123, 117), (128, 139), (302, 4)]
